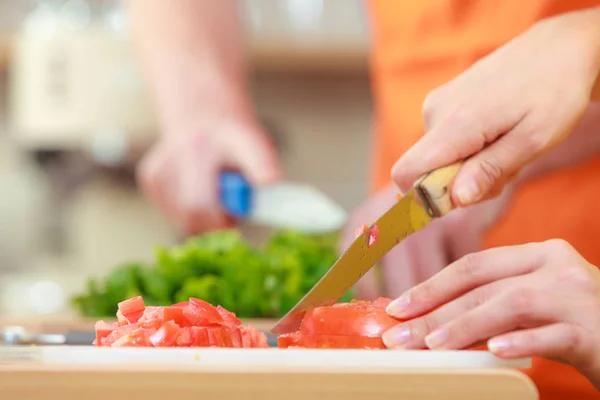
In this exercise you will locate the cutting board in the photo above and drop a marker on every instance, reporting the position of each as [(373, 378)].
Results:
[(87, 372)]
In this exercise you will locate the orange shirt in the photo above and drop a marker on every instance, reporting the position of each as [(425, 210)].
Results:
[(419, 45)]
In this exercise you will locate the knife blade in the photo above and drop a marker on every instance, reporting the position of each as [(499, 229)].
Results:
[(285, 204), (428, 199)]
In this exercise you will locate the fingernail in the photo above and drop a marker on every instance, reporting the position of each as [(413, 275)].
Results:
[(399, 306), (396, 336), (437, 339), (468, 192), (498, 345)]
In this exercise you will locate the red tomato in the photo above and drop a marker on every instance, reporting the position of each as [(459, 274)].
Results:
[(229, 317), (356, 324), (253, 338), (185, 338), (163, 314), (166, 335), (373, 235), (199, 337), (137, 338), (296, 339), (200, 313), (190, 323), (131, 310)]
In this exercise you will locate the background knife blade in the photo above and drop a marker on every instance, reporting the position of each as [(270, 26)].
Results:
[(430, 198), (286, 205)]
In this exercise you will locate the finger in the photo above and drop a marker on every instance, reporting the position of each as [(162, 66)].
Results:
[(196, 194), (465, 274), (494, 166), (560, 341), (519, 308), (411, 334), (256, 157), (455, 137)]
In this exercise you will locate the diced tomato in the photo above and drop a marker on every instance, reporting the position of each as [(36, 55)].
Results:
[(163, 314), (103, 329), (137, 338), (185, 338), (118, 333), (373, 234), (253, 338), (296, 339), (199, 336), (190, 323), (229, 317), (166, 335), (132, 309), (205, 311)]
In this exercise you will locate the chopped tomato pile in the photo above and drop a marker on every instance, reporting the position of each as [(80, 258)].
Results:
[(354, 325), (194, 323)]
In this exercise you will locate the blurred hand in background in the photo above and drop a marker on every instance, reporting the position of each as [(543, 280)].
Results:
[(193, 54)]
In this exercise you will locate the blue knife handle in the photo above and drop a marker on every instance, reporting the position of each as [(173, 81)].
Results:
[(236, 194)]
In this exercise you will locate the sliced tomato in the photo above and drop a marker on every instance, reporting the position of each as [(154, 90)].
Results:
[(357, 318), (296, 339), (182, 304), (166, 335), (131, 310)]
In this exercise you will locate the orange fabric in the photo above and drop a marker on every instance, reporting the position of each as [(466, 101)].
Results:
[(419, 45)]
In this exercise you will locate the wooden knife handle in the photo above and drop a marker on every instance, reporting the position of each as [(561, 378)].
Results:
[(434, 189)]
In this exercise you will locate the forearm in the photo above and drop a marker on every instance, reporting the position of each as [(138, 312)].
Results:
[(193, 54), (580, 146)]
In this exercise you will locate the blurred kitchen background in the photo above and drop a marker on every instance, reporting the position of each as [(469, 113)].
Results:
[(75, 117)]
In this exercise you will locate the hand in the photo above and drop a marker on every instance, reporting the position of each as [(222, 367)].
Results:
[(180, 173), (426, 252), (537, 299), (508, 108)]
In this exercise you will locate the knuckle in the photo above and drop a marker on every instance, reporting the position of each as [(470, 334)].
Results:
[(559, 246), (572, 338), (576, 276), (469, 266), (430, 104), (490, 171), (523, 302), (479, 296), (533, 144)]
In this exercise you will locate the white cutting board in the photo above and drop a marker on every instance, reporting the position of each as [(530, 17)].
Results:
[(271, 357)]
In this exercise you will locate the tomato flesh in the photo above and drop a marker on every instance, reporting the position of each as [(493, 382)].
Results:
[(373, 235), (328, 342), (194, 323)]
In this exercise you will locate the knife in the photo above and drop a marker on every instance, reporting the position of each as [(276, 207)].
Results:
[(283, 204), (428, 199)]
